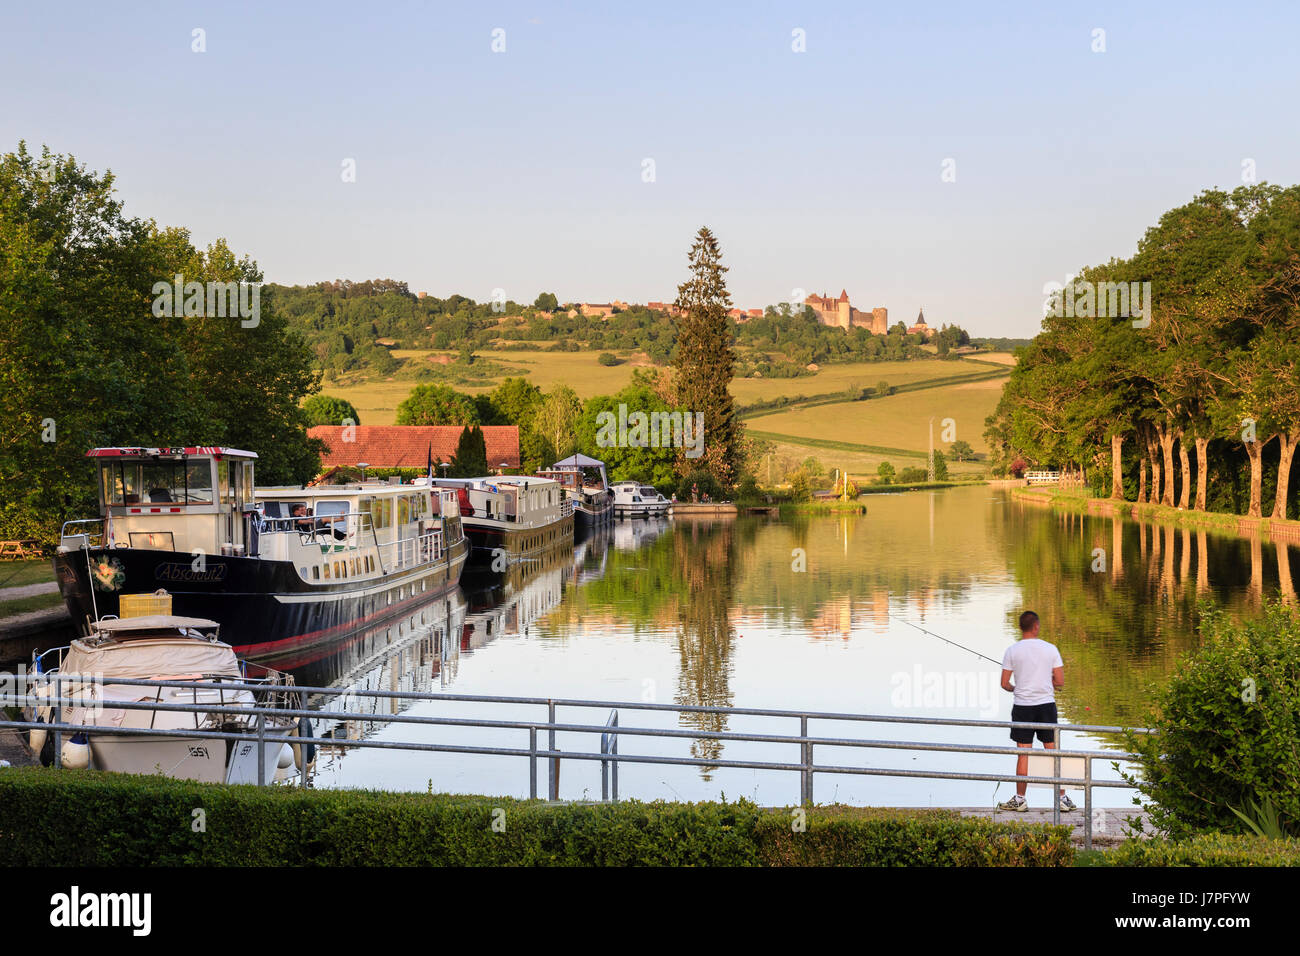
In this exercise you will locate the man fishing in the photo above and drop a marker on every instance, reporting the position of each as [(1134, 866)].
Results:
[(1036, 667)]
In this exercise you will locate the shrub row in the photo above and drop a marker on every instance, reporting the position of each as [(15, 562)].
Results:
[(1206, 849), (61, 818)]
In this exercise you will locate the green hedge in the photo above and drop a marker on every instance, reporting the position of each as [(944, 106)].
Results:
[(1206, 849), (61, 817), (866, 836)]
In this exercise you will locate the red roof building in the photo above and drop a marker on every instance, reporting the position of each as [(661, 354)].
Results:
[(407, 446)]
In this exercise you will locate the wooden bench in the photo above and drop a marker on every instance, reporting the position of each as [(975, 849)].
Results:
[(23, 550)]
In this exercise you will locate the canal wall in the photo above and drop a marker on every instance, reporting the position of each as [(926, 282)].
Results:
[(36, 630), (1288, 531), (692, 509)]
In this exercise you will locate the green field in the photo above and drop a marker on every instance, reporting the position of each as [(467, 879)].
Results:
[(860, 435), (376, 401)]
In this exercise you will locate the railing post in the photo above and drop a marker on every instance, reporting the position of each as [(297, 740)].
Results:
[(805, 775), (261, 750), (1087, 803), (1056, 783), (604, 769), (554, 777), (58, 719), (614, 751), (532, 763)]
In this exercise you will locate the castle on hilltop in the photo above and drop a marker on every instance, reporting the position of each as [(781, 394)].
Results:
[(841, 313)]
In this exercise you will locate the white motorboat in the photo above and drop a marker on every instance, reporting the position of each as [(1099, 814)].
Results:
[(171, 648), (635, 500)]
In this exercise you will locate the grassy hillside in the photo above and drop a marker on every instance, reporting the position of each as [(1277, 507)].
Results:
[(377, 401), (860, 435)]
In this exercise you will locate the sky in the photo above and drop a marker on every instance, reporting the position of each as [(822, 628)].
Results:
[(954, 157)]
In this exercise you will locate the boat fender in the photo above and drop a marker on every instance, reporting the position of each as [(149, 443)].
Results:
[(304, 730), (76, 752), (285, 760), (41, 743)]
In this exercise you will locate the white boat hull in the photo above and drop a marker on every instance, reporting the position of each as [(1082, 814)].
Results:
[(187, 758)]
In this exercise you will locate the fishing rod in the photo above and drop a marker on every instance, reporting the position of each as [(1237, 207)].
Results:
[(946, 640)]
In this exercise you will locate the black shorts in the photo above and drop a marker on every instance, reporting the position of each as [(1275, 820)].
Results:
[(1033, 714)]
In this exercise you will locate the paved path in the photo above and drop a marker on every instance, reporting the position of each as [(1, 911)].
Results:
[(1107, 822), (28, 590)]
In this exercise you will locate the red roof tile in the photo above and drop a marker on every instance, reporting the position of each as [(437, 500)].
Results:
[(407, 446)]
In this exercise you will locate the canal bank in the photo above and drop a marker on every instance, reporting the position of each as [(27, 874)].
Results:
[(1284, 530)]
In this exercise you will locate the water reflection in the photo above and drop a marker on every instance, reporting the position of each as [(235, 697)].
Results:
[(811, 614)]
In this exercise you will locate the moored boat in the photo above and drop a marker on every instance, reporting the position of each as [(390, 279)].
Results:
[(275, 567), (511, 519), (587, 488), (172, 648), (635, 500)]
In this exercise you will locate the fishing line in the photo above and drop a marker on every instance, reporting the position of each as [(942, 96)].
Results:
[(945, 640)]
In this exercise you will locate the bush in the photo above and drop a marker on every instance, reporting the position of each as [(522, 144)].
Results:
[(868, 836), (607, 358), (940, 467), (1206, 849), (1229, 727), (90, 818), (704, 483), (800, 489), (748, 489)]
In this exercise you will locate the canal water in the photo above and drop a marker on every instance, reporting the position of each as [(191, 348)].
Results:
[(810, 613)]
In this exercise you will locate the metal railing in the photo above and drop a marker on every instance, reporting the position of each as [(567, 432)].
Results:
[(609, 733), (91, 539)]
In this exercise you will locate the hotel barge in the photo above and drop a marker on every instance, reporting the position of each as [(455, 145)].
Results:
[(511, 519), (278, 568)]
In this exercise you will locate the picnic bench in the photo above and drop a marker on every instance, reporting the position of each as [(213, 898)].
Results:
[(22, 550)]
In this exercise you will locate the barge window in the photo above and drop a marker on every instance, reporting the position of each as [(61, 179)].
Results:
[(198, 482), (121, 483)]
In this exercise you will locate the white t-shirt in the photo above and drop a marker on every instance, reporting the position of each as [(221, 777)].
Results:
[(1031, 661)]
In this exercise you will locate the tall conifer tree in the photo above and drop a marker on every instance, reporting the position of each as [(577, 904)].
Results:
[(705, 361)]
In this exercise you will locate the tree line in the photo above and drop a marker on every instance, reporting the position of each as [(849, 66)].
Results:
[(352, 328), (1189, 398), (89, 360)]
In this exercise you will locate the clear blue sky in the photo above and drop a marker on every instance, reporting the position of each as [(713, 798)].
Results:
[(523, 170)]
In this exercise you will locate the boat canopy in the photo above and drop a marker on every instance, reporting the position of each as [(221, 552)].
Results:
[(578, 460), (167, 657), (154, 622)]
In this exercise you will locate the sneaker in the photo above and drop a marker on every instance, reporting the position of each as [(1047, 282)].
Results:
[(1067, 804), (1015, 803)]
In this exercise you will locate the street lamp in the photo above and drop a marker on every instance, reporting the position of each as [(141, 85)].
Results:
[(444, 465), (504, 466), (363, 465)]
